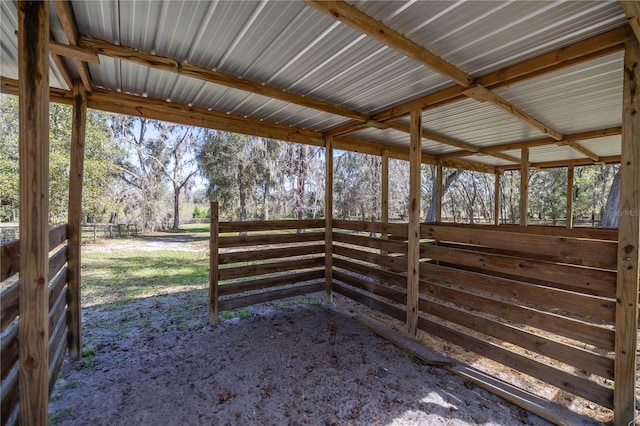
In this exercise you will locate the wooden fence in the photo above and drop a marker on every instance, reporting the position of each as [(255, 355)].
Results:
[(541, 304), (9, 309), (244, 271)]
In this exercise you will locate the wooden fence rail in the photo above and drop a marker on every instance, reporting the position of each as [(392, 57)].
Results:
[(58, 318), (246, 272), (537, 302)]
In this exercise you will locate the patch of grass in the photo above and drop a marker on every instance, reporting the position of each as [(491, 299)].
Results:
[(226, 315), (56, 416), (281, 306), (70, 385), (243, 313), (88, 352), (312, 302)]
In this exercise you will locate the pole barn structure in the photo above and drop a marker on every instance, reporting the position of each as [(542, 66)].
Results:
[(482, 86)]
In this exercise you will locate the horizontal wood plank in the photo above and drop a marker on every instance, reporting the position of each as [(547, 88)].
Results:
[(57, 285), (264, 283), (379, 290), (587, 280), (9, 264), (8, 351), (594, 253), (268, 296), (580, 331), (385, 277), (378, 243), (9, 393), (588, 306), (269, 268), (265, 254), (570, 355), (392, 263), (396, 229), (56, 363), (9, 305), (556, 231), (270, 225), (57, 309), (373, 303), (57, 236), (576, 385), (57, 260), (258, 240), (56, 335)]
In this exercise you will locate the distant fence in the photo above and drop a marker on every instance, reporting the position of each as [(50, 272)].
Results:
[(9, 310), (97, 231)]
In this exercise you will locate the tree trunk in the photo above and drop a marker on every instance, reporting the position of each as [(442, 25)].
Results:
[(176, 208), (431, 213), (612, 209), (265, 202)]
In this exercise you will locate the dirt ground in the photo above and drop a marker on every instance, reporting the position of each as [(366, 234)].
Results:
[(305, 364)]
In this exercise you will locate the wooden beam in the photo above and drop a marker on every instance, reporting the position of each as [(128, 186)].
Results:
[(375, 29), (33, 334), (65, 13), (524, 187), (565, 163), (74, 231), (328, 219), (591, 134), (384, 204), (628, 278), (582, 150), (570, 197), (496, 199), (592, 48), (214, 239), (632, 10), (175, 66), (439, 193), (482, 94), (73, 52), (63, 69), (413, 254)]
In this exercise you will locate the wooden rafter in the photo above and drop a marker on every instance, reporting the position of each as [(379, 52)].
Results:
[(375, 29), (64, 70), (572, 138), (592, 48), (482, 94), (73, 52), (632, 10), (564, 163), (178, 67), (65, 13)]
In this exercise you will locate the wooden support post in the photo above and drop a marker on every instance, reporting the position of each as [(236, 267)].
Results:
[(524, 187), (328, 219), (496, 200), (413, 260), (570, 197), (384, 206), (439, 192), (33, 334), (628, 243), (213, 262), (74, 232)]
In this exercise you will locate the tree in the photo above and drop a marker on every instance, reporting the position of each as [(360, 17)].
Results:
[(611, 215), (143, 167), (101, 153), (446, 183), (181, 142)]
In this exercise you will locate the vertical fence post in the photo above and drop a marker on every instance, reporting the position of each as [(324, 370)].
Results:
[(74, 336), (33, 320), (628, 277), (213, 263), (570, 197), (384, 206), (413, 258), (496, 199), (524, 187), (328, 219)]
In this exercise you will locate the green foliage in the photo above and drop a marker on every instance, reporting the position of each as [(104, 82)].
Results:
[(200, 213), (99, 165), (243, 313), (226, 315)]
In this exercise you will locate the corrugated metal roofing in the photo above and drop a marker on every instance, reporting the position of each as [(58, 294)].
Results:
[(294, 47)]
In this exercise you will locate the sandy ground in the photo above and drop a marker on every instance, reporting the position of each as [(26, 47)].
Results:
[(302, 365)]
